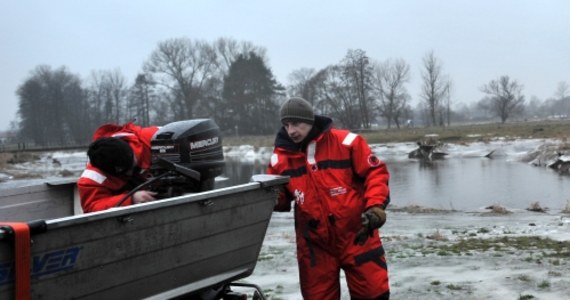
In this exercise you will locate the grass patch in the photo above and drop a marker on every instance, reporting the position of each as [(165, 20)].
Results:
[(544, 284), (265, 257), (483, 230), (453, 287), (524, 278), (549, 248), (416, 209), (435, 282), (270, 254), (554, 274)]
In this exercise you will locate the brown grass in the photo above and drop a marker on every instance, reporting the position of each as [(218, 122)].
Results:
[(498, 209), (4, 158), (559, 129), (437, 236), (416, 209), (536, 207)]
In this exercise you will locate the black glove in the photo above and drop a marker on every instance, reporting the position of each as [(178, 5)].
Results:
[(372, 218)]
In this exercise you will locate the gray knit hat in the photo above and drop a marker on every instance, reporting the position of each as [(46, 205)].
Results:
[(297, 109)]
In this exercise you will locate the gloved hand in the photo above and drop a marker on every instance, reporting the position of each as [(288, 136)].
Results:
[(374, 217)]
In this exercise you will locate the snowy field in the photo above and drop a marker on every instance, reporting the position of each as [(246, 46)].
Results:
[(451, 255), (435, 255)]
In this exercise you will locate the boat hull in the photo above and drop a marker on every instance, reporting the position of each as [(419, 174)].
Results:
[(161, 249)]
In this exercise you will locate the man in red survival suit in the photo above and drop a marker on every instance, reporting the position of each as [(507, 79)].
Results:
[(119, 159), (340, 189)]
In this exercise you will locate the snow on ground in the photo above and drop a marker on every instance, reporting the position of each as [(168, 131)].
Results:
[(48, 166), (445, 255), (65, 163), (453, 255), (514, 150)]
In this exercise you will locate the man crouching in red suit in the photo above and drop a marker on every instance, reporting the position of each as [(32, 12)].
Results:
[(119, 159)]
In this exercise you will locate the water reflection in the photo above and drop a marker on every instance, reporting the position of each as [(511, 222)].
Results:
[(456, 183), (238, 172)]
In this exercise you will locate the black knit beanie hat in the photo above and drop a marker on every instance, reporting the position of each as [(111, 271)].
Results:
[(111, 155), (297, 109)]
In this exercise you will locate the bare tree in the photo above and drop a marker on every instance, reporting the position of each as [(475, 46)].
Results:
[(358, 72), (562, 93), (117, 92), (228, 50), (388, 82), (301, 84), (448, 92), (107, 94), (334, 97), (318, 84), (96, 97), (533, 108), (434, 86), (562, 90), (139, 99), (163, 108), (505, 97), (183, 66)]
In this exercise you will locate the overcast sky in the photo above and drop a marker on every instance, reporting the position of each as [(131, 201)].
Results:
[(476, 41)]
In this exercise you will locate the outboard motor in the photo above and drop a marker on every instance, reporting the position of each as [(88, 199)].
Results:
[(187, 156)]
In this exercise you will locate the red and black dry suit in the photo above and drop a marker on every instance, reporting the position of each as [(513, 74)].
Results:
[(99, 190), (333, 180)]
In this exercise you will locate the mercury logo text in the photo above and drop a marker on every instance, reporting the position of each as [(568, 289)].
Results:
[(204, 143)]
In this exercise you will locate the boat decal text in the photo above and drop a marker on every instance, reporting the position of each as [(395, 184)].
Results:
[(43, 264)]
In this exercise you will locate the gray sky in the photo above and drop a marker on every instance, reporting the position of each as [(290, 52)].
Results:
[(477, 41)]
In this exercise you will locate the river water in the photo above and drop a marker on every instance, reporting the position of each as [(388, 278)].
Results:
[(470, 184), (458, 182), (465, 180)]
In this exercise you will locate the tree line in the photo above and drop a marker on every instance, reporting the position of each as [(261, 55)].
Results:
[(230, 81)]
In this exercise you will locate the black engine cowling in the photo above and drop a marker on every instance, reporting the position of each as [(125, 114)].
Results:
[(179, 148)]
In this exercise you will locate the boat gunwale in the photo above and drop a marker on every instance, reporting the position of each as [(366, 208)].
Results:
[(258, 182)]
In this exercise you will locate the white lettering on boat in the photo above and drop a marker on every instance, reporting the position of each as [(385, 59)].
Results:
[(204, 143)]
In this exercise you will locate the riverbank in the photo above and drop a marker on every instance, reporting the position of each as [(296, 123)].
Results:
[(457, 133)]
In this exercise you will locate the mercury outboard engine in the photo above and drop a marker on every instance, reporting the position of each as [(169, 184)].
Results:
[(187, 156)]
